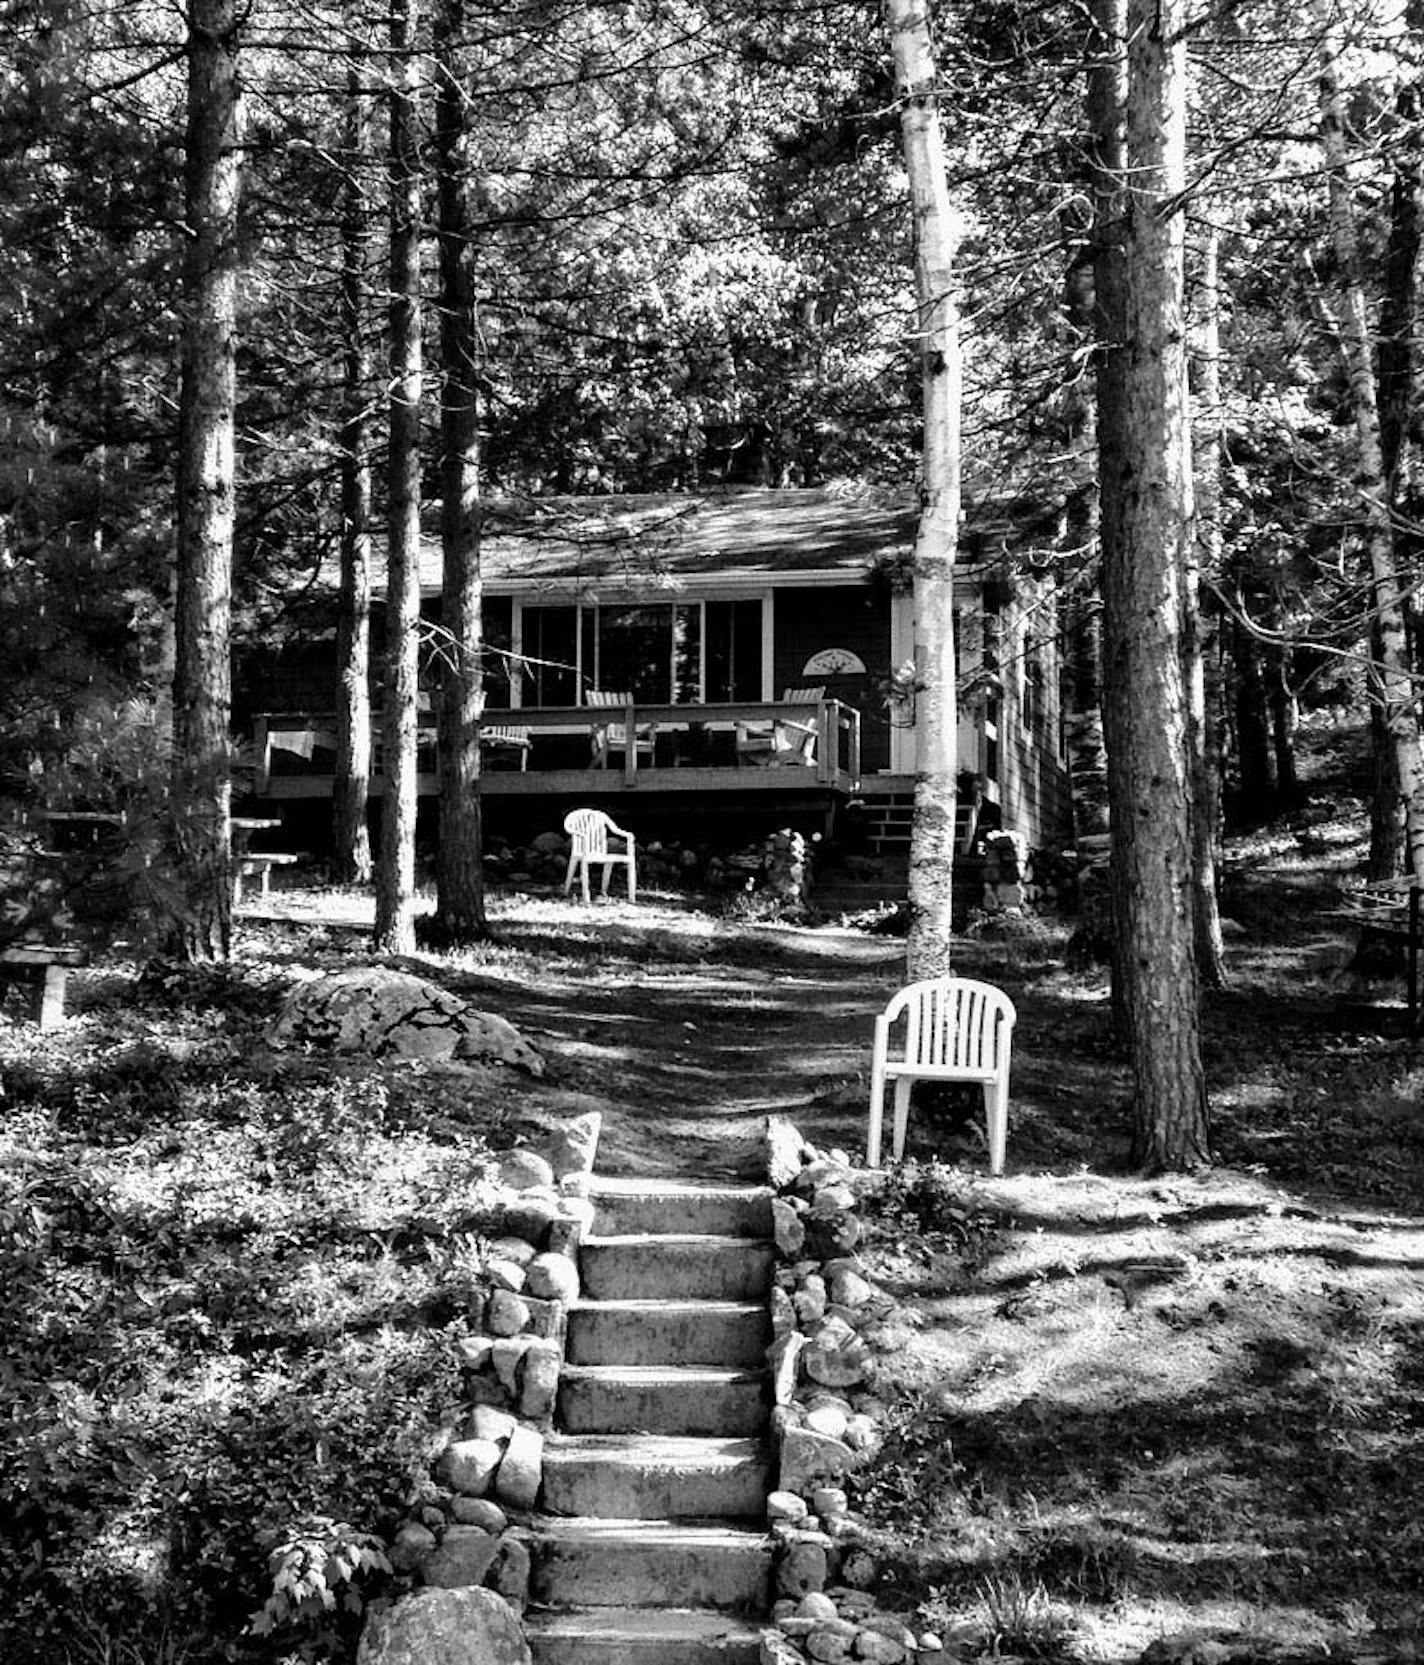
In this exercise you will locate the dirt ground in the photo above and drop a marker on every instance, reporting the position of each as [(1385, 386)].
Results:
[(1131, 1414), (1171, 1418)]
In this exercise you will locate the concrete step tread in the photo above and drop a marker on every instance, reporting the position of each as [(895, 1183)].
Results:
[(649, 1375), (692, 1534), (670, 1450), (613, 1186), (654, 1307), (671, 1239), (641, 1624)]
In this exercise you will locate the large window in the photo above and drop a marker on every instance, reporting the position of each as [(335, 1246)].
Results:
[(549, 647), (662, 653)]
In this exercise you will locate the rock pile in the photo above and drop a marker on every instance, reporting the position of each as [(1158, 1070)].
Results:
[(778, 866), (395, 1014), (830, 1324)]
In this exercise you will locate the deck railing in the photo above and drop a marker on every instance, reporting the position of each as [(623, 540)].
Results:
[(813, 744)]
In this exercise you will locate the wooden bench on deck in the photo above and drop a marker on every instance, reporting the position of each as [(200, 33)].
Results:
[(46, 967)]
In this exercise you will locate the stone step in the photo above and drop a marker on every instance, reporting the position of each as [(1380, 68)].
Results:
[(655, 1477), (642, 1636), (661, 1399), (731, 1333), (622, 1563), (675, 1267), (627, 1206)]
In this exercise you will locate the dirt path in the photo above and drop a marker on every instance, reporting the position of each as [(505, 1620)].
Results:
[(683, 1033)]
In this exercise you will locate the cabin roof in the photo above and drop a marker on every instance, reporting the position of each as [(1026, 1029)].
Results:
[(752, 532)]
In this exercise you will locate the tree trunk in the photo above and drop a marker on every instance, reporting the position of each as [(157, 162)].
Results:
[(1201, 628), (931, 893), (1285, 717), (395, 867), (460, 893), (352, 785), (1144, 584), (1106, 113), (1396, 692), (1082, 594), (1255, 761), (1401, 264), (202, 676)]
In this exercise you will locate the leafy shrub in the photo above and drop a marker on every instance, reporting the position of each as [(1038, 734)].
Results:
[(316, 1576)]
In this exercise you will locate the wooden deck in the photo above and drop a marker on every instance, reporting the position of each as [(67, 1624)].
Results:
[(696, 751)]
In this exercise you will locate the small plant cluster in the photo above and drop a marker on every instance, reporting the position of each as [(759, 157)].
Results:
[(931, 1204)]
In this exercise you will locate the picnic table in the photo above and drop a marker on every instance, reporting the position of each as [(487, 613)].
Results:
[(250, 864)]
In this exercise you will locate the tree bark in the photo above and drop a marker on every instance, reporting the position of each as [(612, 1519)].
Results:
[(395, 867), (352, 784), (1201, 627), (1144, 584), (1255, 760), (460, 894), (1396, 691), (202, 678), (1082, 593), (931, 888), (1106, 115)]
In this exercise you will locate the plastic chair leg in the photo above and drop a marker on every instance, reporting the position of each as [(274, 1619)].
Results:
[(996, 1113), (903, 1084)]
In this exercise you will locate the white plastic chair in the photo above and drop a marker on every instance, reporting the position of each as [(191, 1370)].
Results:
[(955, 1030), (607, 738), (784, 741), (590, 830)]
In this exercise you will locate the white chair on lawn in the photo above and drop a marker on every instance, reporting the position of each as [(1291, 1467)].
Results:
[(590, 830), (954, 1030)]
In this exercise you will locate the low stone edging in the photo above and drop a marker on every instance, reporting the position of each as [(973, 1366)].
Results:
[(829, 1325), (472, 1534)]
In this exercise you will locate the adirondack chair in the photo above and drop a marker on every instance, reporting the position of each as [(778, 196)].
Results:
[(505, 740), (955, 1029), (612, 737), (590, 830), (766, 745)]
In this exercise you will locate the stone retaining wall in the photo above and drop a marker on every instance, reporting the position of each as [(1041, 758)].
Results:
[(830, 1324)]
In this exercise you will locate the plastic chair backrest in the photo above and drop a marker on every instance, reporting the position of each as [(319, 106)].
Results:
[(602, 696), (589, 830), (954, 1022), (804, 696)]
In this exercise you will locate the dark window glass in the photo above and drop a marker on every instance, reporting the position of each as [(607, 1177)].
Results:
[(733, 650), (635, 652), (497, 615), (550, 653)]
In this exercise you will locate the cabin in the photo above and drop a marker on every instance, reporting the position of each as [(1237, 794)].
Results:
[(728, 660)]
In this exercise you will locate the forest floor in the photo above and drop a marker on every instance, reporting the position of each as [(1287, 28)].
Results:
[(1183, 1415)]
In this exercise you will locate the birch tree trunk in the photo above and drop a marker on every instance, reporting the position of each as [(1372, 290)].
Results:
[(1144, 582), (1395, 688), (395, 867), (1202, 629), (460, 895), (928, 952), (352, 784), (1082, 595), (201, 776)]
